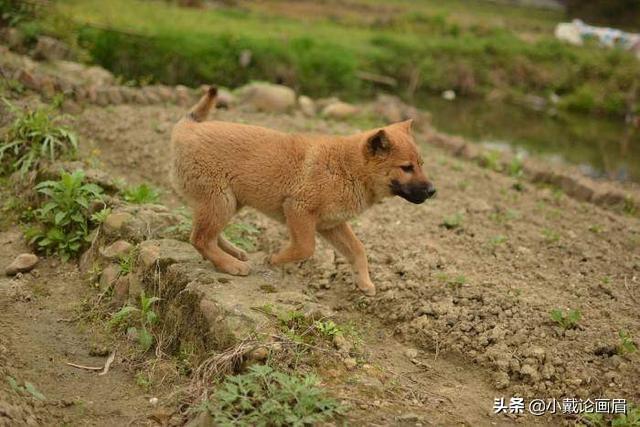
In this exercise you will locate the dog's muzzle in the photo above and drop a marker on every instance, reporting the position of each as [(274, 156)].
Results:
[(415, 193)]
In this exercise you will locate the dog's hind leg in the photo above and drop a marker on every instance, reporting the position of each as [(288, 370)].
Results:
[(346, 242), (232, 249), (209, 219)]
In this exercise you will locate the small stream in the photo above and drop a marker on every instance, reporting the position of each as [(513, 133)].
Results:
[(601, 148)]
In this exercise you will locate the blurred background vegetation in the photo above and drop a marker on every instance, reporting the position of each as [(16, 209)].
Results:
[(353, 48)]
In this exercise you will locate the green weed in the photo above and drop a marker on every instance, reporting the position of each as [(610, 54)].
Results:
[(144, 380), (140, 320), (267, 397), (567, 320), (502, 216), (550, 236), (64, 218), (454, 221), (242, 235), (516, 166), (491, 159), (626, 343), (142, 193), (27, 388), (183, 227), (630, 419), (33, 136), (629, 207), (126, 262), (100, 216), (498, 240), (327, 328)]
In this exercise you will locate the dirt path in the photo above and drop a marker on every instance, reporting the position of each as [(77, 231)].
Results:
[(37, 341), (471, 276)]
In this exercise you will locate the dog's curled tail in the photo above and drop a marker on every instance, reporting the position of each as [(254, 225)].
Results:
[(200, 111)]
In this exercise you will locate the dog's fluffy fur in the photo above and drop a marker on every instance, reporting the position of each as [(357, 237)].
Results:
[(310, 182)]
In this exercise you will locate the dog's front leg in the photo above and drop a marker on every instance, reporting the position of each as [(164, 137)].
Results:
[(346, 242), (302, 238)]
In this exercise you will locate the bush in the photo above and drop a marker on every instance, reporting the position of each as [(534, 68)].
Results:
[(64, 219), (33, 136), (265, 397)]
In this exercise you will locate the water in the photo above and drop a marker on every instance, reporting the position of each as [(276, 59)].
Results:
[(601, 148)]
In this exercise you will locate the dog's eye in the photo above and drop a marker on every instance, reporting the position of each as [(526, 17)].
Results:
[(407, 168)]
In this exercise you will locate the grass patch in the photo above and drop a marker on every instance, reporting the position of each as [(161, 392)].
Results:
[(34, 135)]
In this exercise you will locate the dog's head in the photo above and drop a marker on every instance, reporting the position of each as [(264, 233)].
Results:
[(394, 165)]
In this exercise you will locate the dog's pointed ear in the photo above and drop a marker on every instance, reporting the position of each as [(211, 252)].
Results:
[(407, 125), (378, 144)]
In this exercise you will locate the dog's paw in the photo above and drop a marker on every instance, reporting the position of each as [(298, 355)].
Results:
[(241, 255), (236, 268), (368, 289)]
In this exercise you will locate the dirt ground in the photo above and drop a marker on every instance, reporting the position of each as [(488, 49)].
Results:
[(468, 279), (41, 334)]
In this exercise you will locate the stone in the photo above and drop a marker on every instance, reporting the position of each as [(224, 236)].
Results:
[(340, 343), (389, 108), (340, 110), (151, 94), (167, 251), (102, 97), (114, 95), (225, 99), (29, 80), (501, 380), (115, 221), (350, 363), (128, 94), (165, 93), (267, 97), (411, 353), (23, 263), (121, 290), (108, 276), (139, 97), (98, 76), (203, 419), (13, 37), (116, 250), (531, 372), (258, 354), (51, 49), (307, 106), (449, 95), (149, 254), (184, 95)]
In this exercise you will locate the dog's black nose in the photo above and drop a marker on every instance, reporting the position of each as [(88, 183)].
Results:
[(431, 191)]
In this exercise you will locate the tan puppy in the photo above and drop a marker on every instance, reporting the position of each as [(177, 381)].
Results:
[(310, 182)]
